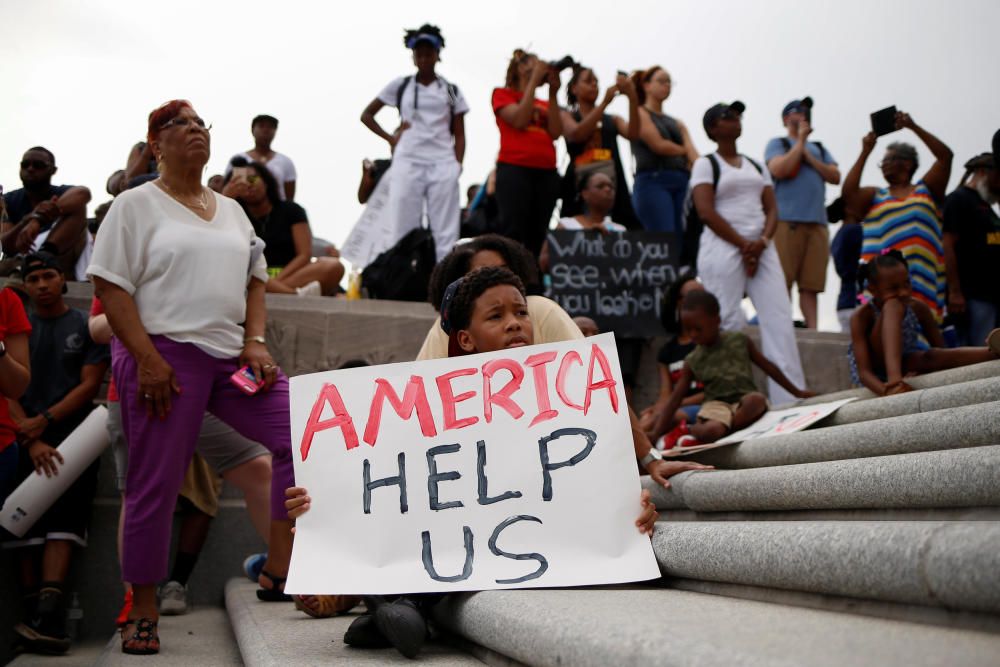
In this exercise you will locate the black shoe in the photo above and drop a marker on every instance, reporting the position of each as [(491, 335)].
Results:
[(403, 625), (362, 633)]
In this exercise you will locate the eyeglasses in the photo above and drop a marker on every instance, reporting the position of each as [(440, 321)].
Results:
[(37, 164), (183, 122)]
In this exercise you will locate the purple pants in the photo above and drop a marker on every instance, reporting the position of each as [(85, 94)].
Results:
[(159, 451)]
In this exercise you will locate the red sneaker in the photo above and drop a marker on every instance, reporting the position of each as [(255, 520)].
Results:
[(670, 439), (122, 619)]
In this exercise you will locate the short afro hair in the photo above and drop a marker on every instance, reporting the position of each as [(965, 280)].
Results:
[(472, 287), (701, 300)]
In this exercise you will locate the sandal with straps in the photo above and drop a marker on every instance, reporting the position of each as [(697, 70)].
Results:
[(275, 593), (145, 631), (326, 606)]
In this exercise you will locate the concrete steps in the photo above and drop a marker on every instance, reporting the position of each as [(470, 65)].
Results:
[(277, 635), (646, 626), (201, 637)]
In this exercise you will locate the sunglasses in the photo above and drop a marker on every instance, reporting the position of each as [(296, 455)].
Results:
[(37, 164), (182, 122)]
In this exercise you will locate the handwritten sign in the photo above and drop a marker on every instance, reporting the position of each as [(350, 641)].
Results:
[(774, 422), (373, 233), (503, 470), (617, 279)]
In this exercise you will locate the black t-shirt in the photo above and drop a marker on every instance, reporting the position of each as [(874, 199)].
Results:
[(275, 229), (18, 204), (60, 347), (672, 355), (977, 227)]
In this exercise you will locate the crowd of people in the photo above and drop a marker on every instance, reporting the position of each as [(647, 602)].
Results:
[(912, 258)]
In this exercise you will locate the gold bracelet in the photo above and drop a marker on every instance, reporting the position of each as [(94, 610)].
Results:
[(254, 339)]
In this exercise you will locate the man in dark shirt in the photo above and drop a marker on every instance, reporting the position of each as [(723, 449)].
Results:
[(972, 250), (67, 369), (59, 212)]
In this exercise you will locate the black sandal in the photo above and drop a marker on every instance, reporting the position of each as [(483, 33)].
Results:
[(273, 594), (145, 631)]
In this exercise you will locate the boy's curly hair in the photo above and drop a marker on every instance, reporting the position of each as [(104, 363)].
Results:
[(472, 287), (701, 300)]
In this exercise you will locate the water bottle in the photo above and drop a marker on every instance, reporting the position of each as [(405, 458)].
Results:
[(74, 617)]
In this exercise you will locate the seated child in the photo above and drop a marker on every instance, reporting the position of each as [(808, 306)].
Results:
[(721, 362), (670, 361), (894, 336), (485, 311)]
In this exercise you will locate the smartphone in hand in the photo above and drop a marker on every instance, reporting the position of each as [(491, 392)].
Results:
[(246, 381)]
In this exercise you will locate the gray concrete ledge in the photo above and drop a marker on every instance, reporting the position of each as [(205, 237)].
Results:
[(649, 626), (923, 400), (898, 612), (938, 379), (951, 478), (275, 634), (934, 514), (202, 637), (954, 428), (950, 565)]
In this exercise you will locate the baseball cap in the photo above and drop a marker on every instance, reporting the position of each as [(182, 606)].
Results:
[(797, 106), (716, 112), (37, 261), (981, 161)]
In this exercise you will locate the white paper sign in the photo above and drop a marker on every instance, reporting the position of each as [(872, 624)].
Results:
[(36, 494), (518, 467), (372, 234)]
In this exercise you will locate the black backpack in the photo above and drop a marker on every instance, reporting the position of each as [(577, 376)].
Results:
[(693, 224), (402, 272)]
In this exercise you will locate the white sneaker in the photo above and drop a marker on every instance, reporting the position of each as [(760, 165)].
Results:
[(310, 289), (173, 599)]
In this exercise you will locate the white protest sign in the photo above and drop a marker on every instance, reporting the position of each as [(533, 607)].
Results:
[(774, 422), (502, 470), (372, 234)]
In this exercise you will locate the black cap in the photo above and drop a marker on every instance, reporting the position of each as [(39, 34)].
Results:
[(714, 113), (37, 261), (799, 106), (981, 161)]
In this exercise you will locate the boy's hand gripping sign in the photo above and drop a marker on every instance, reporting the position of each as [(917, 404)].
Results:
[(510, 469)]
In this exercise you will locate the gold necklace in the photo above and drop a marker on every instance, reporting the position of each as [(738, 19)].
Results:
[(201, 204)]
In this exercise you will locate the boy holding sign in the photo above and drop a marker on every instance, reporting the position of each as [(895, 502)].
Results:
[(486, 311), (722, 363)]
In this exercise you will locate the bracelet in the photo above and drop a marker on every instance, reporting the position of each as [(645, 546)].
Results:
[(254, 339)]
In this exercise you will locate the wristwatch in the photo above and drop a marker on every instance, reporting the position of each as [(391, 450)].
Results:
[(48, 416), (653, 455)]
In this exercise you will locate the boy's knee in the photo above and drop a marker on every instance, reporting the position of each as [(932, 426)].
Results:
[(754, 403)]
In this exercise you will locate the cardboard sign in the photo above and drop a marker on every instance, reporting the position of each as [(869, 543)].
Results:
[(511, 469), (372, 234), (774, 422), (618, 279)]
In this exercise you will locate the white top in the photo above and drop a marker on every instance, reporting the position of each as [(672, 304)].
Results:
[(429, 137), (80, 268), (575, 225), (280, 165), (188, 277), (737, 197)]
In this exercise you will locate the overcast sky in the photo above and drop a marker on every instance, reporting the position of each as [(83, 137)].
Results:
[(81, 77)]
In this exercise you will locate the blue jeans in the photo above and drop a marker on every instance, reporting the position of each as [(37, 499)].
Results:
[(658, 199), (983, 317)]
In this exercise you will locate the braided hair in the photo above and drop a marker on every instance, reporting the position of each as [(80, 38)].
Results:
[(868, 271)]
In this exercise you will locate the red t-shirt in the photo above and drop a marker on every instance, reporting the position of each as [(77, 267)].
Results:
[(13, 320), (530, 147), (97, 308)]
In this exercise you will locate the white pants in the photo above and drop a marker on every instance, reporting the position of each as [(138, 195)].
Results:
[(720, 268), (412, 185)]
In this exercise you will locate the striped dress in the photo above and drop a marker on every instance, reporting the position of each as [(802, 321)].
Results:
[(912, 226)]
